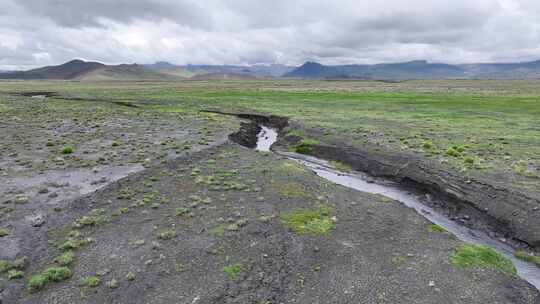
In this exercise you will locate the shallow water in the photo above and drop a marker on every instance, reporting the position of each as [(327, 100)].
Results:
[(362, 182)]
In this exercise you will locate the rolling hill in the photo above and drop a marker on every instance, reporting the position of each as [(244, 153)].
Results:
[(89, 71)]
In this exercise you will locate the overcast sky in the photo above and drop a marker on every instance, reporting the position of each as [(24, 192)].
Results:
[(43, 32)]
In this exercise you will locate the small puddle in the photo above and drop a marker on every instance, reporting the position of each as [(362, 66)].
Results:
[(362, 182)]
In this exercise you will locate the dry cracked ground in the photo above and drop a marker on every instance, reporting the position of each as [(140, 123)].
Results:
[(106, 203)]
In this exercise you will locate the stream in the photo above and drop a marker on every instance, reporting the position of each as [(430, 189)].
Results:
[(362, 182)]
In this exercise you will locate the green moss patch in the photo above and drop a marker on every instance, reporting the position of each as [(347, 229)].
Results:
[(478, 256), (313, 221)]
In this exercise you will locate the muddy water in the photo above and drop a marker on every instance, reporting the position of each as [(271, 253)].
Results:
[(362, 182)]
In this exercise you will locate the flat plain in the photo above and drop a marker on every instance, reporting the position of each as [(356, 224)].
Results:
[(131, 192)]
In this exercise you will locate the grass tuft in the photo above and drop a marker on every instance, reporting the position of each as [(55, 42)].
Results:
[(232, 270), (478, 256), (65, 259), (313, 221), (91, 281), (67, 150), (437, 228), (340, 166), (522, 255)]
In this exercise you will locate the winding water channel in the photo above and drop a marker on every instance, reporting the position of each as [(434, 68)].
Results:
[(362, 182)]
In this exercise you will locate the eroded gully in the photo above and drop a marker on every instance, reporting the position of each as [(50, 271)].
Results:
[(362, 182)]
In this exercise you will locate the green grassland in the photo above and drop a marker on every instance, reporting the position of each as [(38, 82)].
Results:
[(477, 127)]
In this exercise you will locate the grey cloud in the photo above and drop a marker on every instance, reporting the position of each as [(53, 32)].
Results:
[(79, 13), (40, 32)]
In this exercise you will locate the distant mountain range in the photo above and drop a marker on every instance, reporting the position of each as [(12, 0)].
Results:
[(95, 71), (418, 70)]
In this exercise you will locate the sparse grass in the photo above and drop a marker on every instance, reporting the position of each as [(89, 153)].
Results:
[(218, 231), (522, 255), (166, 234), (4, 232), (436, 228), (340, 166), (91, 281), (232, 270), (182, 211), (292, 190), (313, 221), (477, 256), (112, 284)]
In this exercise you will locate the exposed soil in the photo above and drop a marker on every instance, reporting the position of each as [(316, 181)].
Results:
[(378, 252)]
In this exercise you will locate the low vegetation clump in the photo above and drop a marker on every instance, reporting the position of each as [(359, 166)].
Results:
[(427, 145), (182, 211), (3, 232), (130, 276), (305, 146), (112, 284), (469, 160), (166, 234), (67, 150), (4, 266), (15, 274), (528, 257), (480, 256), (53, 274), (453, 152), (313, 221), (232, 270), (91, 281)]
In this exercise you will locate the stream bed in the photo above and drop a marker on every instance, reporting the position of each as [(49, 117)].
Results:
[(362, 182)]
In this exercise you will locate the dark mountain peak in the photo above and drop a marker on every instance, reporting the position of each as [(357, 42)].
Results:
[(309, 69), (75, 61), (311, 64)]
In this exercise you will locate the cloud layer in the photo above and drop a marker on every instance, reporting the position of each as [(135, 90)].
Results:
[(41, 32)]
